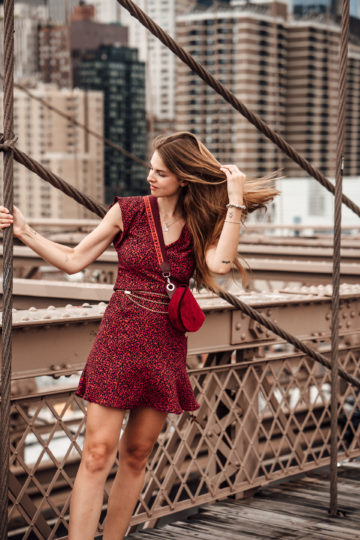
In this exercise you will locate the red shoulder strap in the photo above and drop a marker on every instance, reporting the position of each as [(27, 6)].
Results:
[(153, 217)]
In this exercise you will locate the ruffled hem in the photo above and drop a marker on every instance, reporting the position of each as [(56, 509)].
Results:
[(126, 406)]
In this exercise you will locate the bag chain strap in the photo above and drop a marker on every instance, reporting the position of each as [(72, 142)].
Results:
[(131, 297)]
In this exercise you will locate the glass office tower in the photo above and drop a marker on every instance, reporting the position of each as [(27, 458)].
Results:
[(119, 74)]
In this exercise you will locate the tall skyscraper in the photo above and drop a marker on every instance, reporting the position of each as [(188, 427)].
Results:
[(285, 70), (63, 148), (118, 72), (312, 78), (246, 50)]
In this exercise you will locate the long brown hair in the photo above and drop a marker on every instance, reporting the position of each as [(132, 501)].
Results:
[(203, 200)]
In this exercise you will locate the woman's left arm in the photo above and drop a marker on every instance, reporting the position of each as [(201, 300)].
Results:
[(219, 258)]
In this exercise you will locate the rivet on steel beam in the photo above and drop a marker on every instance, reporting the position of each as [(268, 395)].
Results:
[(51, 308), (243, 337), (32, 308), (352, 314), (25, 318), (85, 304), (69, 306), (237, 326)]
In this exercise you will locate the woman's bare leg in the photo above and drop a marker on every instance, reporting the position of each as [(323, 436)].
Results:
[(103, 425), (136, 444)]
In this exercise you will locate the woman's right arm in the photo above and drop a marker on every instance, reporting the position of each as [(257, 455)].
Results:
[(68, 259)]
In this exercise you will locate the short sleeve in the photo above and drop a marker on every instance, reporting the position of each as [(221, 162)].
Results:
[(130, 207)]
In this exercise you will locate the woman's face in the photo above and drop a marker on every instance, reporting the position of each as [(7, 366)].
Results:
[(163, 183)]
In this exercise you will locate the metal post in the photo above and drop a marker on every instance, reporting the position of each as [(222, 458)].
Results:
[(8, 265)]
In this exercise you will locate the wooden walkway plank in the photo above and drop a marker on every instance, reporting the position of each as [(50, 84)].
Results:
[(246, 524), (294, 510), (289, 507)]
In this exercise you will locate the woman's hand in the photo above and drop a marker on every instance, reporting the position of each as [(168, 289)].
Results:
[(235, 183), (17, 220)]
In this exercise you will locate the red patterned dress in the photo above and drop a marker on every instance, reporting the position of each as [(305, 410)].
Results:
[(138, 358)]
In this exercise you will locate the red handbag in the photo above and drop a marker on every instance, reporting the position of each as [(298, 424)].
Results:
[(185, 313)]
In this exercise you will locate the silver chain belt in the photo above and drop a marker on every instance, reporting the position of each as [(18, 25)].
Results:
[(135, 294)]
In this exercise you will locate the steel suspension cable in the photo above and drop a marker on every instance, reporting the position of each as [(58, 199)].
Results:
[(75, 122), (8, 195), (253, 118), (53, 179), (335, 304)]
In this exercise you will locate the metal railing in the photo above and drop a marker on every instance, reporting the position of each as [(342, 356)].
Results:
[(264, 411)]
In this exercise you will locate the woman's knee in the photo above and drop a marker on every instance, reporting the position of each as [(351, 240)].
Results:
[(98, 456), (135, 455)]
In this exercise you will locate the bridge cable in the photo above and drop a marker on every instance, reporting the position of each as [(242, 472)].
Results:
[(335, 303), (8, 196), (53, 179)]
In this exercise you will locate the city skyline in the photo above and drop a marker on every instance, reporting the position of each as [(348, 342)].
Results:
[(294, 91)]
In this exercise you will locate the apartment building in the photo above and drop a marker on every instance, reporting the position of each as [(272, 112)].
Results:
[(312, 87), (283, 69), (245, 48), (56, 143)]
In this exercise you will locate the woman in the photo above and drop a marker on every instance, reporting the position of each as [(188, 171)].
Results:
[(138, 360)]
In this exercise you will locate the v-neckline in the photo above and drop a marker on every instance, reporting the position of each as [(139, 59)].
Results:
[(180, 235)]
